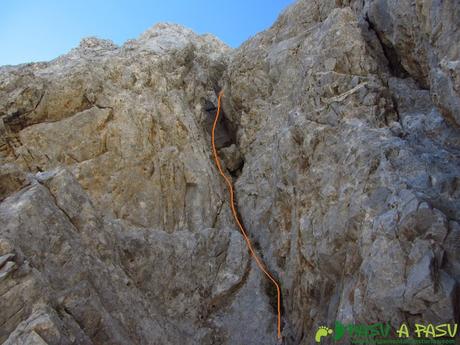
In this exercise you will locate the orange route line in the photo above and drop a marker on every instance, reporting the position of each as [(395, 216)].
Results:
[(237, 220)]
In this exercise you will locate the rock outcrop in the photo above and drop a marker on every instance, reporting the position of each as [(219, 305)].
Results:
[(339, 129), (350, 181)]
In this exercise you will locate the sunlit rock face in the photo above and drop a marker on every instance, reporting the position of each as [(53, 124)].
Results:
[(339, 130)]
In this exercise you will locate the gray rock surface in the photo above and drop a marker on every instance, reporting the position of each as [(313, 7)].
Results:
[(350, 173), (339, 130)]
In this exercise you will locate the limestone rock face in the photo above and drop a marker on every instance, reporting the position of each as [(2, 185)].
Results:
[(419, 38), (339, 130), (114, 222), (350, 177)]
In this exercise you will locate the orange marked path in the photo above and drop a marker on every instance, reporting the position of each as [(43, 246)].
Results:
[(237, 220)]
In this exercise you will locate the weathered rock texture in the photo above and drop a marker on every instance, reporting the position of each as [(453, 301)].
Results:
[(340, 131)]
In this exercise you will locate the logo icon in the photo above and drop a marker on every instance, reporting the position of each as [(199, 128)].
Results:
[(322, 331), (380, 333)]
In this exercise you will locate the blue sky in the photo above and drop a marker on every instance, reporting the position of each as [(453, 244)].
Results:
[(34, 30)]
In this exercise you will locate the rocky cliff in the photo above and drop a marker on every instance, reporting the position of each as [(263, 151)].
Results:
[(340, 130)]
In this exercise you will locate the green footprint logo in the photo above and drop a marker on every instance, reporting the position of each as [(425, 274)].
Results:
[(322, 331)]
